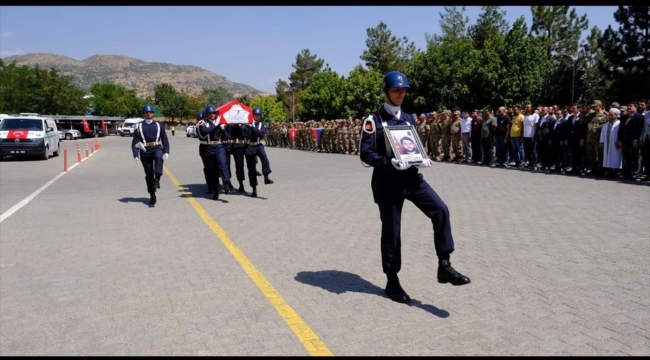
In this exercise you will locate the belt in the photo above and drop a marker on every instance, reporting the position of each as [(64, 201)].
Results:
[(227, 141), (239, 141), (214, 142), (150, 144), (254, 143), (203, 142)]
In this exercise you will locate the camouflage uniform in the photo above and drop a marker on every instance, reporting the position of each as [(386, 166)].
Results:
[(435, 131), (423, 134), (594, 153), (455, 137)]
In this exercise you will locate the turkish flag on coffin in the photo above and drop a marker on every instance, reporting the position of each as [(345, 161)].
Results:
[(235, 112), (17, 134)]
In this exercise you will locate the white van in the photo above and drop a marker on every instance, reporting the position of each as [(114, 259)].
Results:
[(126, 129), (28, 136)]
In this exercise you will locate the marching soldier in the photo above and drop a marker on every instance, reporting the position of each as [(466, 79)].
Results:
[(237, 149), (150, 146), (255, 134), (215, 152), (393, 181)]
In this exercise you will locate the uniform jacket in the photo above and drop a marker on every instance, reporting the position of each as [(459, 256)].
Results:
[(387, 182), (149, 131)]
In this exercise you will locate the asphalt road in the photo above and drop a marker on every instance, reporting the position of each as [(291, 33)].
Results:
[(559, 265)]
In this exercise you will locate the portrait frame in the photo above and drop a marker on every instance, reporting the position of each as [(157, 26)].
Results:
[(397, 140)]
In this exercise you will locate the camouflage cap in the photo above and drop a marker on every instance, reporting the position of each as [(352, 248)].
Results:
[(597, 103)]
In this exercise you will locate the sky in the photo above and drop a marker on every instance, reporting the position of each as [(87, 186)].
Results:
[(251, 45)]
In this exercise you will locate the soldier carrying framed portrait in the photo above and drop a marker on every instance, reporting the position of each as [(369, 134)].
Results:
[(405, 144)]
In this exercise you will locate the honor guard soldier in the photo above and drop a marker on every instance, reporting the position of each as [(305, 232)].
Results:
[(237, 148), (202, 147), (214, 154), (255, 149), (151, 147), (393, 181)]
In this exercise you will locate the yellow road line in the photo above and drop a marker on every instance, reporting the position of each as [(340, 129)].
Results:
[(305, 334)]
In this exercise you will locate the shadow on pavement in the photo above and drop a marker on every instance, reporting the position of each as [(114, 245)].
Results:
[(339, 282), (200, 191), (144, 200)]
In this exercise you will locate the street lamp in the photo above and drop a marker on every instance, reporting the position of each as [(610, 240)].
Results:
[(573, 77)]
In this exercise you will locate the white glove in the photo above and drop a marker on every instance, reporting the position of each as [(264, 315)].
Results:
[(136, 160), (425, 163), (165, 156), (399, 165), (140, 146), (223, 126)]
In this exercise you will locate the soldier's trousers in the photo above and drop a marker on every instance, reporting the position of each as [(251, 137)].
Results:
[(216, 164), (205, 165), (432, 146), (593, 152), (446, 143), (152, 162), (455, 145), (237, 152), (390, 213), (251, 154)]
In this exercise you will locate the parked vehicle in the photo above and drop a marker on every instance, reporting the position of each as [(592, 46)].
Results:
[(191, 131), (127, 127), (100, 132), (29, 135), (69, 134)]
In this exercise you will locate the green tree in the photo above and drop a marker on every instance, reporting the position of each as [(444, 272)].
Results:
[(272, 109), (453, 24), (172, 103), (362, 91), (626, 53), (558, 29), (491, 24), (218, 96), (244, 98), (523, 68), (305, 68), (595, 83), (322, 99), (114, 100), (386, 52)]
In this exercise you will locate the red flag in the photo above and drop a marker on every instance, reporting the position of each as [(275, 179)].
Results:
[(17, 134), (314, 133), (86, 127), (103, 125)]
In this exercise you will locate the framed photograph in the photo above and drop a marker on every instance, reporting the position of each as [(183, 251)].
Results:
[(405, 144)]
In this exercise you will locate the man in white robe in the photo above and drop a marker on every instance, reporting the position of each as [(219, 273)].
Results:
[(612, 150)]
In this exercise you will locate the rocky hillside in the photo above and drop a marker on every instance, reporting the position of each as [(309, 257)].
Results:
[(132, 73)]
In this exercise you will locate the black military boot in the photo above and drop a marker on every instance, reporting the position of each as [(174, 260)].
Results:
[(258, 173), (152, 199), (254, 193), (447, 274), (395, 292), (267, 181), (157, 181), (241, 187), (215, 195), (226, 188)]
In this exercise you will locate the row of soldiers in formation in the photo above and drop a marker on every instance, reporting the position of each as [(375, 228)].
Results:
[(500, 138)]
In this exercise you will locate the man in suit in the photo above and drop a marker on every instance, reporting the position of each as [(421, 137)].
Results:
[(545, 138), (576, 134), (559, 145), (150, 146)]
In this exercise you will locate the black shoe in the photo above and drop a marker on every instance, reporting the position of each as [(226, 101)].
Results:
[(152, 200), (447, 274), (241, 189), (230, 187), (254, 193), (267, 181), (215, 195), (157, 181), (395, 292), (258, 173)]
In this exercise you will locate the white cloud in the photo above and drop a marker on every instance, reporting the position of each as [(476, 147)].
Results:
[(7, 34), (7, 53)]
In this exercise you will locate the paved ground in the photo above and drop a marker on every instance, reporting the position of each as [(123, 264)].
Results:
[(559, 265)]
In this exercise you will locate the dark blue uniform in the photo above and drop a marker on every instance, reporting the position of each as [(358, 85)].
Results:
[(390, 187), (154, 138), (214, 154), (255, 134), (236, 148)]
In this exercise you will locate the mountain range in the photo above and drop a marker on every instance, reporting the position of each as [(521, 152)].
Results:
[(132, 73)]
